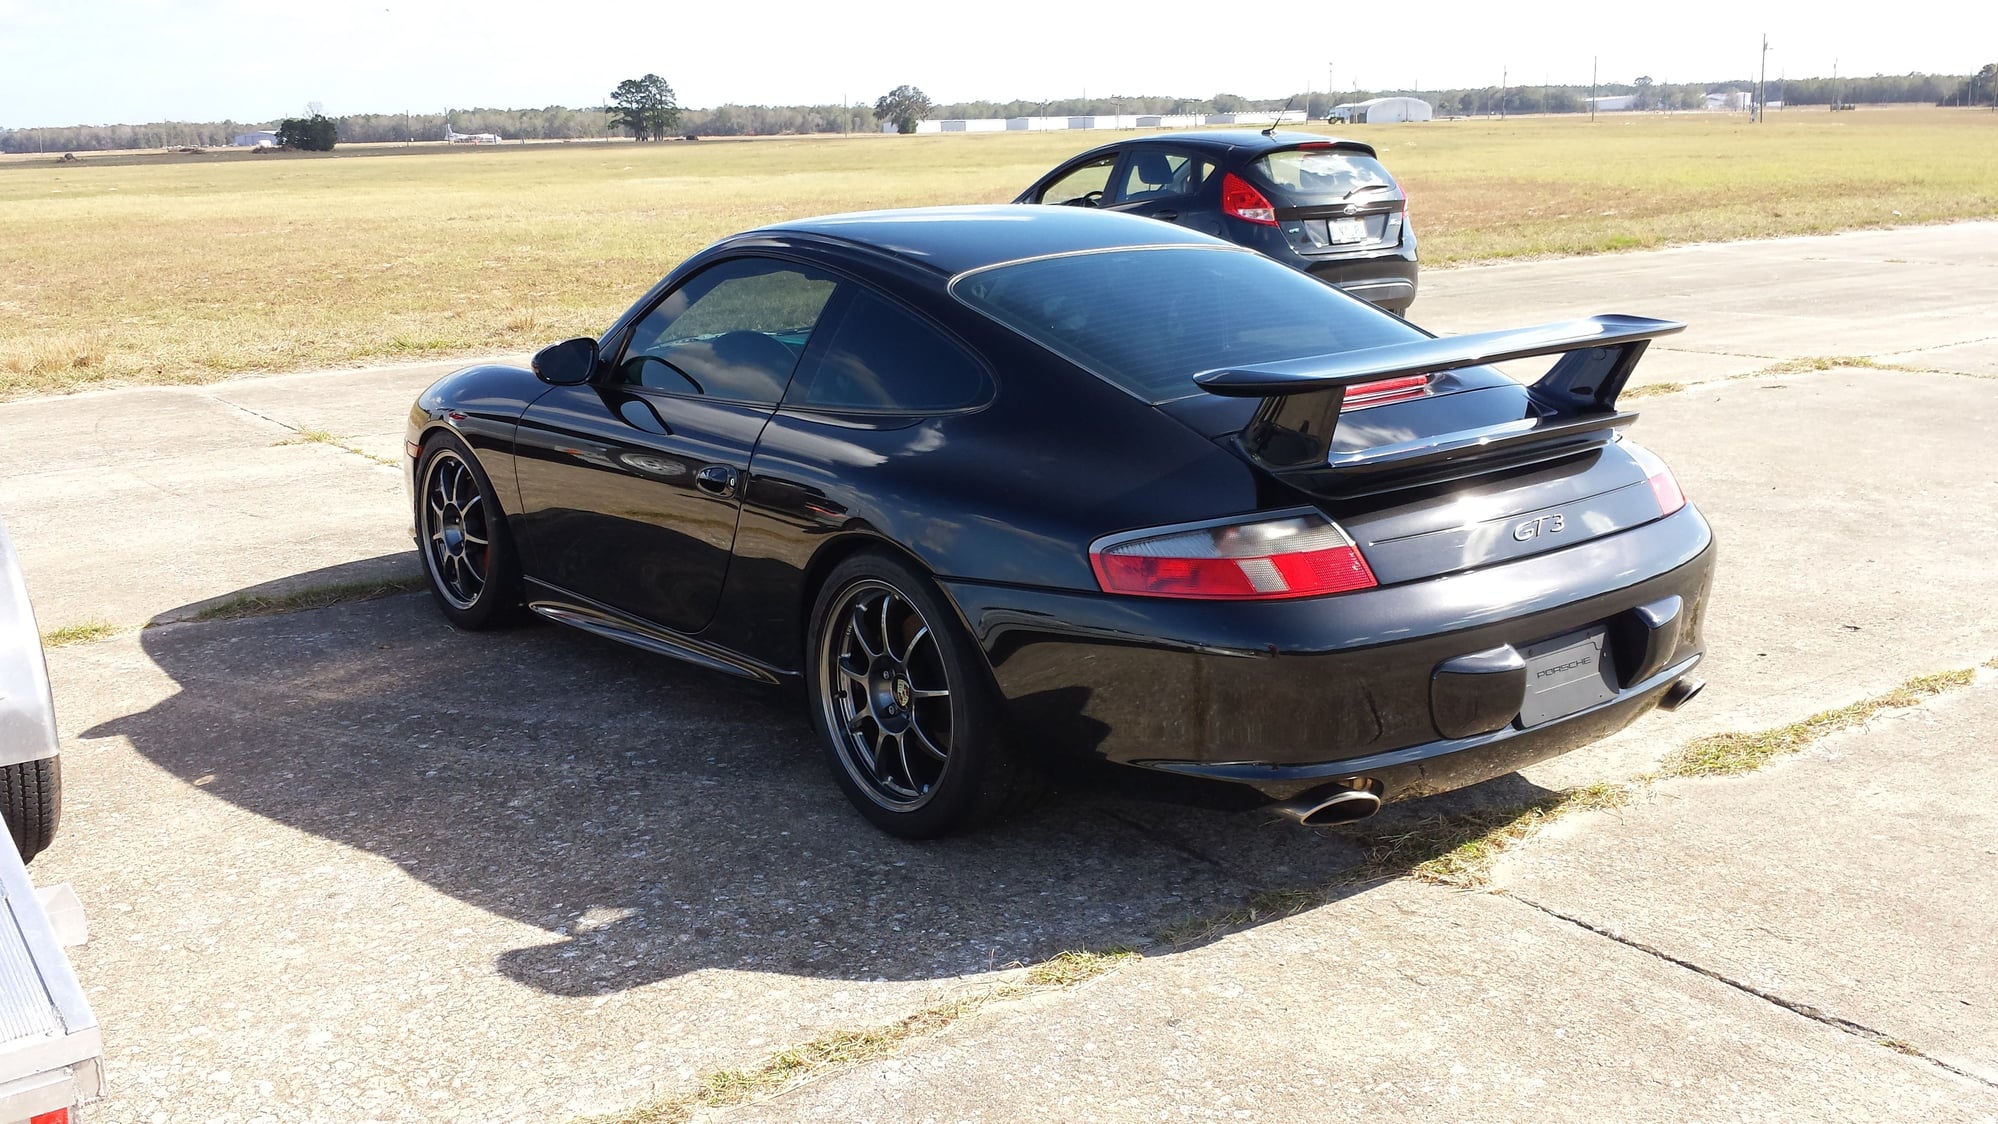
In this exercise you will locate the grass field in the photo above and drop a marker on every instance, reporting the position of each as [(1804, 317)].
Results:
[(136, 270)]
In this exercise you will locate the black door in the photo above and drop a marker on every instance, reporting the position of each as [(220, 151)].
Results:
[(630, 486)]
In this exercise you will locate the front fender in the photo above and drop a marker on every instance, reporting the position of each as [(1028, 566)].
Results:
[(27, 709)]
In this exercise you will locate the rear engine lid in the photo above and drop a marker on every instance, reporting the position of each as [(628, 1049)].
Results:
[(1501, 516), (1332, 198)]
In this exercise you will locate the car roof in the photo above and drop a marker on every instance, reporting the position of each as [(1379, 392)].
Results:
[(955, 239), (1253, 140)]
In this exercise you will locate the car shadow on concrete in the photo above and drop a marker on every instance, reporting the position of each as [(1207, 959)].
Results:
[(655, 819)]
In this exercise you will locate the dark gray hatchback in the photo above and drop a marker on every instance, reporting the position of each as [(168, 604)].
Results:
[(1321, 205)]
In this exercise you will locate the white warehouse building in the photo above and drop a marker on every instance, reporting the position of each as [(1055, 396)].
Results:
[(1381, 111)]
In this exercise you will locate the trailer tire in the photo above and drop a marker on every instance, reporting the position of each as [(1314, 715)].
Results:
[(31, 803)]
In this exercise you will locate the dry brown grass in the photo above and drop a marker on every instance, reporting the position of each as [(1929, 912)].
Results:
[(133, 270)]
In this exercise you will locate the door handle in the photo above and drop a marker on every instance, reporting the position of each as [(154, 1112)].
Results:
[(716, 480), (1167, 216)]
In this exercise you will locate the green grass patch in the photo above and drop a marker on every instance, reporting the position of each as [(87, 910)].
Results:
[(840, 1049), (309, 434), (1265, 905), (1461, 848), (1070, 968), (299, 600), (1826, 363), (1731, 753), (193, 271), (78, 634)]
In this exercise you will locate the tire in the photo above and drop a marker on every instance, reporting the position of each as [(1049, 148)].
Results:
[(468, 554), (915, 738), (31, 803)]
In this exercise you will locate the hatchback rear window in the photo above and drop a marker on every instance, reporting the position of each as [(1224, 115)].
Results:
[(1324, 175), (1149, 319)]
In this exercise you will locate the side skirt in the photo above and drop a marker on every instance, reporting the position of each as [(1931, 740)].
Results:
[(577, 611)]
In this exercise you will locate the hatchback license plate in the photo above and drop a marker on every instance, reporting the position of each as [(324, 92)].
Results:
[(1345, 230), (1566, 674)]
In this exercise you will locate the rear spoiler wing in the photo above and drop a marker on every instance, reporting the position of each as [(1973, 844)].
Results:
[(1574, 403)]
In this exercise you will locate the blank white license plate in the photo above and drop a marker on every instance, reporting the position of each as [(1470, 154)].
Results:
[(1345, 230)]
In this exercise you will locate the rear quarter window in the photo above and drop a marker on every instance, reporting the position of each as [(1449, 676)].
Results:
[(882, 359)]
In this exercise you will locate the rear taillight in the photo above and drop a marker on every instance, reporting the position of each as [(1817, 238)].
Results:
[(1384, 391), (1240, 199), (53, 1116), (1296, 556), (1663, 485)]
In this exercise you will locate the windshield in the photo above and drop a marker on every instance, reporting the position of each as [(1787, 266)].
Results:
[(1324, 175), (1150, 319)]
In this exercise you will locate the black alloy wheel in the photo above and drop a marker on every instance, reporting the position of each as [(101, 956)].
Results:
[(462, 536), (905, 707)]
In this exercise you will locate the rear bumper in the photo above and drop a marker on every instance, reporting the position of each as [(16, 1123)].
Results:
[(1386, 281), (1287, 696)]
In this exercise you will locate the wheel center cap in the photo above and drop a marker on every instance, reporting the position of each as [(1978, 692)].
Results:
[(889, 695), (452, 527)]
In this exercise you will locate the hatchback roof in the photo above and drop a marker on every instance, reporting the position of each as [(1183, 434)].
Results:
[(1247, 138), (954, 239)]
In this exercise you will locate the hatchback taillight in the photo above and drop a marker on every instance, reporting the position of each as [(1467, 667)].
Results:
[(1664, 486), (1241, 199), (1295, 556)]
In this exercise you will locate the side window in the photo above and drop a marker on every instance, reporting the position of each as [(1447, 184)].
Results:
[(880, 358), (1081, 187), (1154, 173), (735, 331)]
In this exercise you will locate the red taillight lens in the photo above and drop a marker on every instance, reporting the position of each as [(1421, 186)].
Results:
[(53, 1116), (1383, 391), (1663, 485), (1297, 556), (1240, 199)]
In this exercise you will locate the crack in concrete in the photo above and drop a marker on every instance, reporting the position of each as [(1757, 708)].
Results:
[(1168, 840), (1816, 1015), (336, 442)]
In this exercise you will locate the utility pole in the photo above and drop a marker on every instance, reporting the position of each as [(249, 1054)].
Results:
[(1593, 60), (1762, 83), (1503, 72)]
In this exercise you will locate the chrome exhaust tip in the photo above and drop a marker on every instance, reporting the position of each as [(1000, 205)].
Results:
[(1333, 804), (1681, 692)]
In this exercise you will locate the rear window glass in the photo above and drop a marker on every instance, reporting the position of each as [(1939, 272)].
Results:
[(1324, 174), (1150, 319)]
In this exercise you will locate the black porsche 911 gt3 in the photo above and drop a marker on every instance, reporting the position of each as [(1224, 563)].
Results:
[(1000, 482)]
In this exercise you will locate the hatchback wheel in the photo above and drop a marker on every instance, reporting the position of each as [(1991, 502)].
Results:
[(906, 709), (467, 553)]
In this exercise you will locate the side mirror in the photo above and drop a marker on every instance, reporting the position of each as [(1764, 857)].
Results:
[(568, 363)]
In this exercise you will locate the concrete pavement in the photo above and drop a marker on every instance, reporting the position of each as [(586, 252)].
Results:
[(1917, 296), (349, 865)]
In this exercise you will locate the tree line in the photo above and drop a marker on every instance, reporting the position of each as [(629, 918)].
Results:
[(596, 122)]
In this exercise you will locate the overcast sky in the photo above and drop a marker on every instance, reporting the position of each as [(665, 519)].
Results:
[(105, 61)]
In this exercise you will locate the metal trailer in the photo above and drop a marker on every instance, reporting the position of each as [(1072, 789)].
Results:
[(51, 1052)]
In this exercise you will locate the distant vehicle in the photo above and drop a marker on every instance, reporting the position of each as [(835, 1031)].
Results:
[(1318, 204), (30, 768), (994, 482), (453, 136)]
